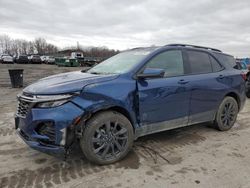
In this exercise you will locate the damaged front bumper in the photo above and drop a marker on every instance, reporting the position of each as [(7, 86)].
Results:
[(49, 130), (37, 145)]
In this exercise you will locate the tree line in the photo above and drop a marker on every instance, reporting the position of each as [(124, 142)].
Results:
[(42, 47), (21, 46)]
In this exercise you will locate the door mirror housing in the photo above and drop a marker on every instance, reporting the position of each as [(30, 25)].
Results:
[(151, 73)]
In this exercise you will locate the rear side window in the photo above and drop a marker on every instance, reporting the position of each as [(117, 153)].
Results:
[(215, 65), (227, 60), (171, 61), (199, 62)]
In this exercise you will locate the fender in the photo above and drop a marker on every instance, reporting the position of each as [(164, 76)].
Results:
[(97, 97)]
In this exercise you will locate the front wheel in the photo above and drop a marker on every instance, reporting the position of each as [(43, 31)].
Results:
[(107, 138), (226, 114)]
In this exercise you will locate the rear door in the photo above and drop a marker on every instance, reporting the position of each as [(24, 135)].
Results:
[(206, 81)]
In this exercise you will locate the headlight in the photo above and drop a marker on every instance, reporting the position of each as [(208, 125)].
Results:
[(49, 101), (50, 104)]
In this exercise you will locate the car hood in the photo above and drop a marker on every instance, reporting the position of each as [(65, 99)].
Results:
[(65, 83)]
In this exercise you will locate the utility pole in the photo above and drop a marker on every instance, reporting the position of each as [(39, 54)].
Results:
[(77, 45)]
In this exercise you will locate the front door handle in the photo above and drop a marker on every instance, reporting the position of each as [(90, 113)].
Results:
[(183, 81)]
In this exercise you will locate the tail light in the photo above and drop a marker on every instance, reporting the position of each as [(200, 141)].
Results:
[(244, 76)]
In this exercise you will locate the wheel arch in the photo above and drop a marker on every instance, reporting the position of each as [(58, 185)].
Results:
[(118, 109), (235, 96)]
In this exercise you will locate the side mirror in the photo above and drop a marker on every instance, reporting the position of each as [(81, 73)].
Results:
[(151, 73)]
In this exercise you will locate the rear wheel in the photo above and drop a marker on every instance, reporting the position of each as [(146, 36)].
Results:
[(227, 114), (107, 138)]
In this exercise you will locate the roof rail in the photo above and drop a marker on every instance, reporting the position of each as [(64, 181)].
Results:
[(194, 46)]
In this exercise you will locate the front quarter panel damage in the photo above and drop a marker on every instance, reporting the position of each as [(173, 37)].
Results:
[(102, 96)]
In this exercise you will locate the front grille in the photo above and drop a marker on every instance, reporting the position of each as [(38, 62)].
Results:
[(23, 108), (25, 103)]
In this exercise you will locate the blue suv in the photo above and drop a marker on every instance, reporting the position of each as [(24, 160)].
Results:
[(134, 93)]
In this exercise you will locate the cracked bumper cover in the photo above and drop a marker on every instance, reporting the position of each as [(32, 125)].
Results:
[(53, 150), (61, 118)]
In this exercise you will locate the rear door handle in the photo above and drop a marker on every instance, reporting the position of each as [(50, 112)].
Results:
[(183, 81)]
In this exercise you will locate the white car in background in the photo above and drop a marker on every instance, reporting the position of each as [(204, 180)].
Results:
[(51, 60), (44, 58), (5, 58)]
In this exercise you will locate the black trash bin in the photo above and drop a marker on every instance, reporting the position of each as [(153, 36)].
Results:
[(16, 77)]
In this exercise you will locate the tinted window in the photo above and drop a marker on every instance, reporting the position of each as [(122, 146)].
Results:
[(215, 65), (227, 59), (170, 61), (199, 62)]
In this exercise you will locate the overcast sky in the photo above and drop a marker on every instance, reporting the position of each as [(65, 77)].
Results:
[(223, 24)]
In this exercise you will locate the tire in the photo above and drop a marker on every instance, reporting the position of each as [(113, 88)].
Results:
[(107, 138), (226, 114), (248, 93)]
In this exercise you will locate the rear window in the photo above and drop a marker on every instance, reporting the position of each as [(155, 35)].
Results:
[(227, 60)]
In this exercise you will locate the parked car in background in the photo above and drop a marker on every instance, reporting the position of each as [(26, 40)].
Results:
[(51, 60), (245, 68), (22, 59), (134, 93), (29, 58), (35, 59), (246, 61), (248, 87), (5, 58), (44, 58)]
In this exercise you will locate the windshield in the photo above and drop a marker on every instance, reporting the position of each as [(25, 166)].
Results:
[(120, 63)]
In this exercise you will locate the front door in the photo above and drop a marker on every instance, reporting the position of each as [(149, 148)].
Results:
[(164, 102)]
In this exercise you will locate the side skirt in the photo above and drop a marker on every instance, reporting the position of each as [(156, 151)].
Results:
[(161, 126), (173, 124)]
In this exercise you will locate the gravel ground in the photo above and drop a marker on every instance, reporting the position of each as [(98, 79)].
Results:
[(195, 156)]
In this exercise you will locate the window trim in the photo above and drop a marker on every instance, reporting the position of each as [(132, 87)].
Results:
[(174, 49), (222, 67)]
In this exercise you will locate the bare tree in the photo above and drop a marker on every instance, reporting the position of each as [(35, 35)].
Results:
[(40, 46), (31, 48), (5, 44)]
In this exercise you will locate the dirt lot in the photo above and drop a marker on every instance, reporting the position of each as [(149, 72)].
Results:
[(196, 156)]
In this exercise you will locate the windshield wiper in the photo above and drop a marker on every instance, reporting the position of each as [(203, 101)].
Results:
[(95, 72), (85, 70)]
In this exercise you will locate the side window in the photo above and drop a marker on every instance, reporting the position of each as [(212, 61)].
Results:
[(227, 60), (215, 65), (171, 61), (199, 62)]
